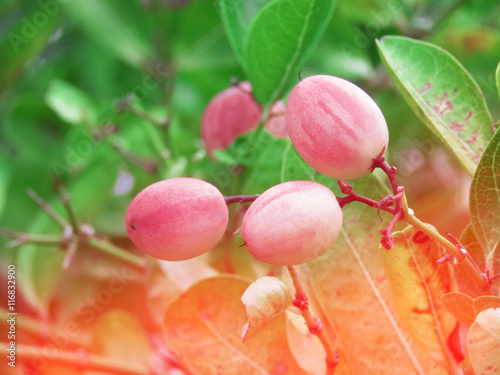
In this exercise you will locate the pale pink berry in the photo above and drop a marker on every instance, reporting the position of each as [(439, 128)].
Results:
[(177, 219), (335, 126), (292, 223), (231, 113), (276, 124)]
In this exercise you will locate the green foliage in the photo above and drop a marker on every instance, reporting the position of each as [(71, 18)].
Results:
[(108, 96), (273, 52), (485, 201), (442, 94)]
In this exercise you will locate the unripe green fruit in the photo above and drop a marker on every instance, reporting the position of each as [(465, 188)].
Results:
[(231, 113), (177, 219), (292, 223), (335, 126)]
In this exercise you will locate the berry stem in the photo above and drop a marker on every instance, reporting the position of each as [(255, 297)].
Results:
[(462, 256), (241, 198), (77, 359), (314, 324), (402, 212)]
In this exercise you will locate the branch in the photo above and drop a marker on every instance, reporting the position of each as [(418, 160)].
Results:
[(21, 238), (47, 208), (314, 324), (78, 360), (117, 252), (241, 199)]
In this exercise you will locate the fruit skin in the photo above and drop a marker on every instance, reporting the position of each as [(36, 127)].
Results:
[(292, 223), (335, 126), (177, 219), (276, 124), (228, 115)]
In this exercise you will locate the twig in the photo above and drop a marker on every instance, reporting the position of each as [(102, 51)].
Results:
[(65, 199), (117, 252), (21, 238), (147, 165), (314, 324), (240, 198), (47, 208), (78, 359)]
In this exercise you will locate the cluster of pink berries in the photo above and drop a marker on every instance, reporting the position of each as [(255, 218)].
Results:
[(334, 126)]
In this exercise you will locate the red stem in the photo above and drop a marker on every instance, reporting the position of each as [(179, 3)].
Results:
[(241, 198)]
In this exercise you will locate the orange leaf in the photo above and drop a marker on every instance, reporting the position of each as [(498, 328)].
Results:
[(263, 300), (306, 348), (465, 284), (117, 334), (465, 308), (203, 327), (461, 306), (483, 342)]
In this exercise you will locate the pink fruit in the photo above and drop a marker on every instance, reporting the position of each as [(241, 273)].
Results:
[(335, 126), (229, 114), (292, 223), (276, 124), (177, 219)]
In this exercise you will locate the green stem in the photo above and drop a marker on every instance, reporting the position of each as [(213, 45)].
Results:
[(117, 252), (158, 144), (76, 360), (21, 237)]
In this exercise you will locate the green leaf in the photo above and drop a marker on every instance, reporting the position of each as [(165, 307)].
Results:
[(25, 39), (265, 170), (236, 16), (498, 79), (70, 103), (484, 202), (442, 94), (281, 37), (293, 167), (118, 27)]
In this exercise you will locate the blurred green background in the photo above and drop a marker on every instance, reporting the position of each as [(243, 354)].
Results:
[(70, 69)]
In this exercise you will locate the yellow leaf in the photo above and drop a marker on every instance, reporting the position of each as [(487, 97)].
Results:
[(118, 335), (417, 283)]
